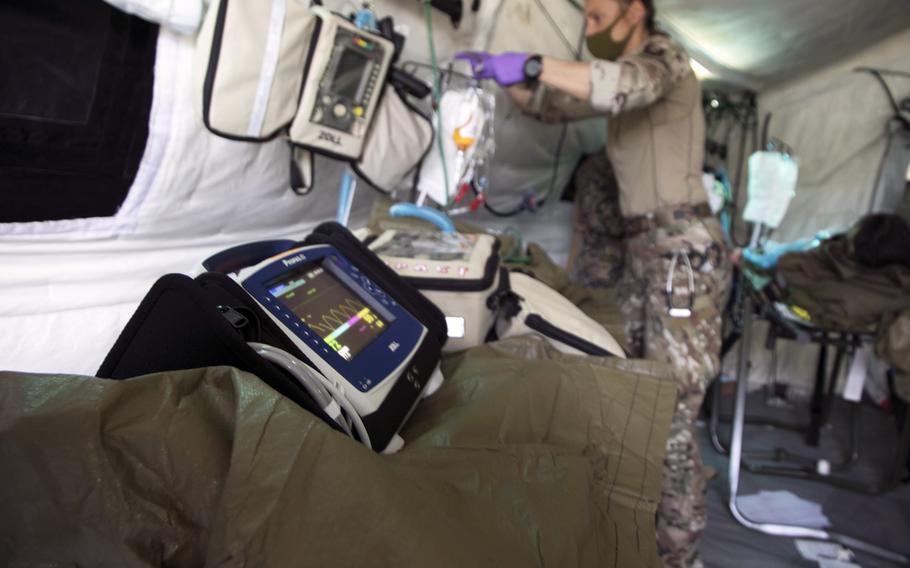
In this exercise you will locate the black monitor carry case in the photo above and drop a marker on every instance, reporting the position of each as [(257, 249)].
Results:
[(187, 323)]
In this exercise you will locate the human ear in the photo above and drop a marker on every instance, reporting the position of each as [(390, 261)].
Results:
[(636, 13)]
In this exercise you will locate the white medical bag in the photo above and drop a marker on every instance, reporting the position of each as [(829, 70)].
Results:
[(537, 308), (282, 66), (270, 68)]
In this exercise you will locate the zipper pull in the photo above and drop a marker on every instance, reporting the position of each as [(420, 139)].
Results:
[(236, 319)]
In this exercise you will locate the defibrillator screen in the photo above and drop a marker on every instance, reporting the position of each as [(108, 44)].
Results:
[(349, 74), (329, 308)]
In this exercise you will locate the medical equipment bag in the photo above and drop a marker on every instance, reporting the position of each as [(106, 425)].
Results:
[(290, 67), (251, 66), (399, 140), (187, 323), (534, 307), (457, 272), (285, 68)]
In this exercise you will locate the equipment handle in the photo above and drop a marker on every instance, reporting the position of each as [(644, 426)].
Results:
[(438, 218), (409, 83), (239, 257)]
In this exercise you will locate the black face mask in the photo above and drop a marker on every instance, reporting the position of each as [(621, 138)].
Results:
[(603, 46)]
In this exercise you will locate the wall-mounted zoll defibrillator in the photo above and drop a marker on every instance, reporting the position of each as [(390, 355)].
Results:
[(351, 67), (282, 67), (361, 345), (279, 64), (457, 272)]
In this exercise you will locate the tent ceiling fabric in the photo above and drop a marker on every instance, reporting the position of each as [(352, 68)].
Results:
[(757, 44)]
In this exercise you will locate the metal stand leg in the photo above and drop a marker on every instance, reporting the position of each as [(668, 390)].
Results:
[(842, 350), (817, 407), (714, 423), (852, 454), (803, 467), (717, 417), (736, 448), (902, 454)]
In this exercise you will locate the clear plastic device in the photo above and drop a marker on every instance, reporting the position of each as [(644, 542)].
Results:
[(457, 272), (459, 162)]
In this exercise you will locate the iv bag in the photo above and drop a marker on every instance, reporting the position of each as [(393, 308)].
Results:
[(772, 184), (468, 112)]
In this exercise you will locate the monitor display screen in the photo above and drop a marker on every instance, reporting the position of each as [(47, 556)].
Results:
[(349, 73), (330, 308)]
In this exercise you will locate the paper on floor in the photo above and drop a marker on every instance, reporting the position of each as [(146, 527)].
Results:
[(827, 563), (783, 507), (834, 555)]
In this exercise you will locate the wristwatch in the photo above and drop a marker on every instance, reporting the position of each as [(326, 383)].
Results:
[(532, 68)]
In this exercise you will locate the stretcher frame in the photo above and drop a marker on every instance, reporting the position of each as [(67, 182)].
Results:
[(746, 313)]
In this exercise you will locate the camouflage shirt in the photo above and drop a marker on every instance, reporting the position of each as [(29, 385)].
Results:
[(640, 79), (634, 81)]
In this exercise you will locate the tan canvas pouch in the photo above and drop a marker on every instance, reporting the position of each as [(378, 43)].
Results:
[(399, 140), (252, 55)]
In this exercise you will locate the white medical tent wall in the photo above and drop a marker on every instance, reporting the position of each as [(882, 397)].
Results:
[(837, 122), (70, 286), (836, 119)]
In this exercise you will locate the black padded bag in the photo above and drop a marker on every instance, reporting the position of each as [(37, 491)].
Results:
[(184, 323)]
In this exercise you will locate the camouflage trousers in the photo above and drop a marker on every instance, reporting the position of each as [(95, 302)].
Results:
[(639, 266), (691, 345), (596, 259)]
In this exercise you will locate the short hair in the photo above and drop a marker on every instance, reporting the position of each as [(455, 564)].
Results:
[(650, 14), (882, 239)]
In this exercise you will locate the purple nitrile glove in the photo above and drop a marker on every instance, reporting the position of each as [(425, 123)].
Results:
[(506, 68)]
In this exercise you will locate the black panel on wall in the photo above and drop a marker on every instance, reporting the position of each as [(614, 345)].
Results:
[(75, 95)]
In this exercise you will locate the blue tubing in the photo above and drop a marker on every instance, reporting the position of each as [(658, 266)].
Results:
[(438, 218), (344, 197)]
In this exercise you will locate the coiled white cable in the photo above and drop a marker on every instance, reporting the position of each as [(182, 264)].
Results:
[(329, 396)]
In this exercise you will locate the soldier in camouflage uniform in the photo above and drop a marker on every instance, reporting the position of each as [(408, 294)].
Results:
[(692, 347), (639, 266), (641, 79)]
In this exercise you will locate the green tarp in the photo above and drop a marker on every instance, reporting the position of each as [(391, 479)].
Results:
[(525, 457)]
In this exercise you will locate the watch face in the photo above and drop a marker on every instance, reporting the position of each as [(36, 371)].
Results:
[(533, 67)]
